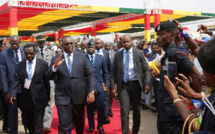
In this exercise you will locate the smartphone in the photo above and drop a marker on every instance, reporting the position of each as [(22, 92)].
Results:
[(172, 71), (169, 18)]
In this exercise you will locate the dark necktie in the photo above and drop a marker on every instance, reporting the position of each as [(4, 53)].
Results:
[(42, 52), (69, 65), (92, 61), (17, 57), (126, 67)]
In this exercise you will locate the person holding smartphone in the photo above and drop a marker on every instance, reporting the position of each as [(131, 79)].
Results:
[(169, 120)]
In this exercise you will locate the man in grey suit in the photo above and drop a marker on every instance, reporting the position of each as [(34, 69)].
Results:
[(70, 70), (128, 71), (46, 54)]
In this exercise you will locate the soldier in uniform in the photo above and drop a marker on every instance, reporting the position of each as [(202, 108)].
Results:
[(46, 54), (169, 120)]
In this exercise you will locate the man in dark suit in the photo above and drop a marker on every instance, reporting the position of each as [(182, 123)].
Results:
[(102, 52), (9, 58), (30, 76), (127, 72), (102, 76), (70, 92), (3, 103)]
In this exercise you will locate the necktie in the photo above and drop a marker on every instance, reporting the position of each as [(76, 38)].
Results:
[(30, 70), (42, 52), (98, 52), (92, 61), (69, 65), (126, 67), (17, 57)]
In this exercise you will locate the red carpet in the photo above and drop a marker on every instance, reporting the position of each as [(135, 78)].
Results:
[(113, 128)]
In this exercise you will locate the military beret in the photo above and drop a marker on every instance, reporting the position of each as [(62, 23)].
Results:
[(166, 26), (41, 38), (90, 43)]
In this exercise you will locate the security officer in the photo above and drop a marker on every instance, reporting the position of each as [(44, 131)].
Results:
[(102, 78), (46, 54), (169, 120)]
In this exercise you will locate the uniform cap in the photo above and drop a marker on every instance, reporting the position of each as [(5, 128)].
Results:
[(90, 43), (41, 38), (166, 26)]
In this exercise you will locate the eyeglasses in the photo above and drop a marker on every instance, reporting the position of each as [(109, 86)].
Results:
[(67, 44)]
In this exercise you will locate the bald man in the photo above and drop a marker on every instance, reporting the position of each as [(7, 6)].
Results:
[(8, 60), (129, 67), (84, 45)]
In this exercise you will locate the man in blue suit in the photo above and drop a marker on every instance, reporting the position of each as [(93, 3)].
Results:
[(102, 76), (9, 58), (69, 71), (105, 53)]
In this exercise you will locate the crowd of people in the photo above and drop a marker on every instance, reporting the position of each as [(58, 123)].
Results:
[(91, 73)]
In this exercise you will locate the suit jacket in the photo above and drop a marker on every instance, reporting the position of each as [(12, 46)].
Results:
[(140, 67), (72, 88), (107, 59), (39, 92), (103, 77), (7, 67), (48, 54), (79, 50)]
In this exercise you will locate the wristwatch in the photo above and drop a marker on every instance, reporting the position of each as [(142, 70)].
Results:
[(93, 91)]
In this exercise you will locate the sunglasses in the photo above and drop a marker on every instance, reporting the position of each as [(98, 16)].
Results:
[(67, 44)]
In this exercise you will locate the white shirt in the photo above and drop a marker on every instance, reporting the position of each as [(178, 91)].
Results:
[(158, 57), (93, 56), (121, 48), (66, 58), (131, 73), (100, 52), (33, 66), (40, 50), (18, 53)]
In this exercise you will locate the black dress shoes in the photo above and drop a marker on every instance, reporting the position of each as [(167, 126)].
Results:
[(107, 120), (110, 114), (7, 130), (90, 130), (101, 130), (26, 130)]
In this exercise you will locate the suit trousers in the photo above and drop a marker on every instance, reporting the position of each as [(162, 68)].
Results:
[(4, 112), (47, 119), (110, 100), (66, 113), (106, 102), (33, 119), (130, 95), (13, 117), (101, 111)]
